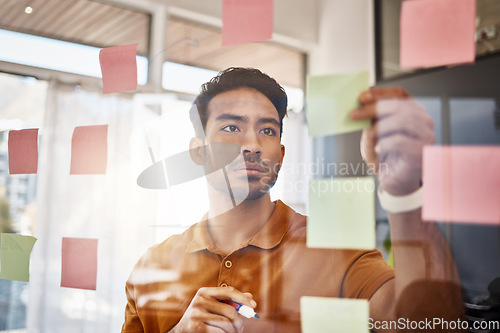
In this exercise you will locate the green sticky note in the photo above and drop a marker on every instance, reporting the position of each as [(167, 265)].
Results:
[(15, 253), (333, 315), (330, 99), (341, 213)]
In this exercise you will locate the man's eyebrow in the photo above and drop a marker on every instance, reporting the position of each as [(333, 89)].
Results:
[(269, 120), (265, 120), (229, 116)]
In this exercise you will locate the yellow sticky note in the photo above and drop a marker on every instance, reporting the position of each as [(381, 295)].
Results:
[(15, 251), (333, 315), (330, 99), (342, 213)]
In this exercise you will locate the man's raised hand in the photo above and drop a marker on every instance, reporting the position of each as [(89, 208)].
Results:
[(393, 143)]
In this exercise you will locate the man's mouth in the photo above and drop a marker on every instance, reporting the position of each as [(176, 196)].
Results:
[(251, 169)]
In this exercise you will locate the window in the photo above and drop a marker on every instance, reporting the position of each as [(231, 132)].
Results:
[(57, 55), (23, 106)]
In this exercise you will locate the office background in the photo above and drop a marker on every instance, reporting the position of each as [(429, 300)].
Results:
[(182, 39)]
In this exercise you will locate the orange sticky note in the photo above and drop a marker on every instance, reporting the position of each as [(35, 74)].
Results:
[(118, 68), (79, 263), (89, 150), (437, 33), (461, 184), (23, 151), (245, 21)]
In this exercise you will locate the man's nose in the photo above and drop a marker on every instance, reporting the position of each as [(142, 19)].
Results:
[(250, 144)]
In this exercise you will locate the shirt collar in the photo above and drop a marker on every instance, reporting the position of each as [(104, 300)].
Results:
[(267, 238), (201, 237)]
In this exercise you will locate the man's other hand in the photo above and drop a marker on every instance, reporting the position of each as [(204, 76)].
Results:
[(393, 143), (206, 314)]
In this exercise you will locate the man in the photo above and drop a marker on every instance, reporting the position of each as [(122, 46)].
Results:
[(254, 252)]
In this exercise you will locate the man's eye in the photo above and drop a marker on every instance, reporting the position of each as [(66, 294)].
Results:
[(230, 128), (269, 131)]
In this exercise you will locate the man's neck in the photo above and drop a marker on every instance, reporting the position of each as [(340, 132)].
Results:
[(238, 225)]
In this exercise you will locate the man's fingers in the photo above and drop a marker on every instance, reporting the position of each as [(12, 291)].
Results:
[(223, 323), (217, 323), (206, 312), (227, 319), (375, 94), (367, 148), (419, 126), (368, 111), (384, 108), (229, 293), (201, 319), (248, 295), (213, 329), (214, 313), (398, 143), (219, 308)]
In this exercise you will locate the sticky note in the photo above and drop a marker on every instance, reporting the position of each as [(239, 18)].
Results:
[(330, 99), (341, 213), (15, 251), (333, 315), (79, 263), (461, 184), (89, 150), (437, 33), (245, 21), (23, 151), (118, 68)]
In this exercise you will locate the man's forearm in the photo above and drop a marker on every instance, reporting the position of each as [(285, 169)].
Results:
[(427, 282), (420, 251)]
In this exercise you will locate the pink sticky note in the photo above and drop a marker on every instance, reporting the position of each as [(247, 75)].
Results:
[(461, 184), (23, 151), (79, 263), (245, 21), (89, 150), (437, 32), (118, 68)]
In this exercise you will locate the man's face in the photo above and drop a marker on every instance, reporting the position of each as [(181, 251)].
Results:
[(247, 118)]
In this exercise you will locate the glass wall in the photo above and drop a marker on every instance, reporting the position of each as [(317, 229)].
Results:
[(124, 218)]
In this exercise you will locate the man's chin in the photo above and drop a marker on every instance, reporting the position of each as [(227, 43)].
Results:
[(254, 195), (240, 194)]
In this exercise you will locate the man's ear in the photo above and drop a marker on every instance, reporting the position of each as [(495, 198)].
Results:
[(282, 155), (197, 151)]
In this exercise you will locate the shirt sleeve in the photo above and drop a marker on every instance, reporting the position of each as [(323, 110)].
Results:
[(132, 322), (365, 273)]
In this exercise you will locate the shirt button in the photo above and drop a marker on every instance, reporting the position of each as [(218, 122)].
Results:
[(228, 264), (223, 285)]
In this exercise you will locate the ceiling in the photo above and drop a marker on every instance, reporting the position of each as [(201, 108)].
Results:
[(79, 21), (102, 25), (284, 64)]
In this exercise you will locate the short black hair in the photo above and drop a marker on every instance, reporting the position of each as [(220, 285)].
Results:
[(235, 78)]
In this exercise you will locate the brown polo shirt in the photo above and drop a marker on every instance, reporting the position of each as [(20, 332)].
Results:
[(275, 266)]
